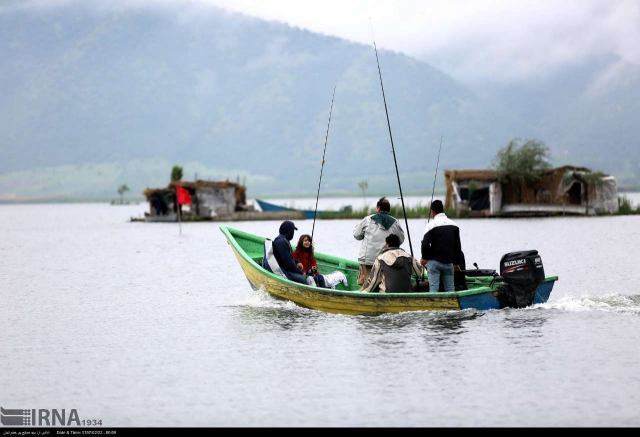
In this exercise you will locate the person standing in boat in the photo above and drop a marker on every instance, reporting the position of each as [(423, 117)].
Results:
[(373, 230), (303, 255), (392, 269), (281, 252), (441, 248)]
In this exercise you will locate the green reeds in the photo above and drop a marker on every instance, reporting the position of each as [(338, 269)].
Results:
[(418, 211), (625, 207)]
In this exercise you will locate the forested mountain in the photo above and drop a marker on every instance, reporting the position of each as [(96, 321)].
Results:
[(95, 97)]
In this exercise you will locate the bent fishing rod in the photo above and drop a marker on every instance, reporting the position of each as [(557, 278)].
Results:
[(393, 149), (326, 138), (434, 180)]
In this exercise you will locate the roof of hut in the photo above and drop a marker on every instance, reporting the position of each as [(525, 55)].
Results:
[(491, 175), (478, 175), (194, 186)]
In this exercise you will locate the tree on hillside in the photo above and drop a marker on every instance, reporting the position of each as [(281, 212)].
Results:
[(121, 190), (522, 163), (176, 173)]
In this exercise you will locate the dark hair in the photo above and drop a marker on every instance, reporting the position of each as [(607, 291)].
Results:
[(300, 245), (392, 240), (436, 206), (384, 204)]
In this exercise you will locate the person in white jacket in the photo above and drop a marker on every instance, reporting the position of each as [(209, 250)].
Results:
[(373, 230)]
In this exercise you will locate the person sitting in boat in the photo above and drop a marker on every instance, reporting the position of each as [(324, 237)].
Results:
[(392, 269), (373, 230), (303, 255), (278, 258), (441, 249)]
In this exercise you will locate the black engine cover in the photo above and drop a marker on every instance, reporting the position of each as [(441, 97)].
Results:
[(522, 272)]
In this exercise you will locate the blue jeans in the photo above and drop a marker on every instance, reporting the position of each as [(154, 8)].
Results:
[(435, 269)]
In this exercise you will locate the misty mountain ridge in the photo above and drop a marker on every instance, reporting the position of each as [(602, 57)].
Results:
[(95, 98)]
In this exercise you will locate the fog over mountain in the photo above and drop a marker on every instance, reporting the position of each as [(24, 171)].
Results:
[(95, 97)]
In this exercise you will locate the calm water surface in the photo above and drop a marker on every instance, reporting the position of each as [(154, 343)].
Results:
[(139, 326)]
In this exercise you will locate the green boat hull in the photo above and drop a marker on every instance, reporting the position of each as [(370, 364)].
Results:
[(482, 293)]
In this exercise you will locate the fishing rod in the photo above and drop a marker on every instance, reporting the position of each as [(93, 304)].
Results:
[(393, 149), (326, 138), (434, 180)]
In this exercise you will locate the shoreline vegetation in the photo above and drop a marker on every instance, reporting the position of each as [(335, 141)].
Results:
[(625, 207), (142, 199)]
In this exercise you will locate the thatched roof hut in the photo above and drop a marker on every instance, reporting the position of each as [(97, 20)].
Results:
[(209, 199), (561, 190)]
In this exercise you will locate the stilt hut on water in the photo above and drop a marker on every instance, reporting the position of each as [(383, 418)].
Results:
[(564, 190), (210, 200)]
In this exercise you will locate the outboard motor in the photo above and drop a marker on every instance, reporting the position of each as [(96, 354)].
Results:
[(521, 273)]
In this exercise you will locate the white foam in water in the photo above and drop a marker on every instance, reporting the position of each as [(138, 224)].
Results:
[(611, 302), (262, 299)]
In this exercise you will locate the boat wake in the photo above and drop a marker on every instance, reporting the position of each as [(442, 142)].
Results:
[(262, 299), (618, 303)]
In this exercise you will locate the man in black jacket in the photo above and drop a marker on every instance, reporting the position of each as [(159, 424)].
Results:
[(441, 248), (282, 254)]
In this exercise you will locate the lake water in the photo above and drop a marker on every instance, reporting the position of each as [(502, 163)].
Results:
[(137, 325)]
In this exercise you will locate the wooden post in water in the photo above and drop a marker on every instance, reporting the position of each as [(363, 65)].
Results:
[(179, 215)]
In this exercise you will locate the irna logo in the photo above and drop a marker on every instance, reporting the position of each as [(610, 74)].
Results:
[(39, 417)]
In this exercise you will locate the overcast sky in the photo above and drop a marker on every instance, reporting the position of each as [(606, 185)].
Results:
[(503, 40)]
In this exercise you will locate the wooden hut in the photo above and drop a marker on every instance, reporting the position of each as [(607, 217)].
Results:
[(562, 190), (210, 199)]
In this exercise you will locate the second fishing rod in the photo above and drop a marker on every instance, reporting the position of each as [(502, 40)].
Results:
[(393, 149), (326, 138)]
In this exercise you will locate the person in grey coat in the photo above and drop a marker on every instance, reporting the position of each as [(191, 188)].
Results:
[(372, 231)]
